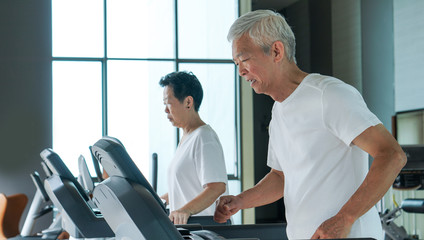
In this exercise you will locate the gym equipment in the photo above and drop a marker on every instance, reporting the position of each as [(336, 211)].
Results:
[(129, 203)]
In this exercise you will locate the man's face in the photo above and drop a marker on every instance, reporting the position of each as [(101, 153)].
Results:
[(174, 109), (253, 64)]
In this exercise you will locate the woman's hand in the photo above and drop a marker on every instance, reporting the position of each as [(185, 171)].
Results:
[(179, 216)]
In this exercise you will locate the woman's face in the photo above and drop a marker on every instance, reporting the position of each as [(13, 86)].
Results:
[(175, 110)]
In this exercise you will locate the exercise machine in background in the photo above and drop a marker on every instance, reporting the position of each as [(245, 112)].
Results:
[(410, 178), (80, 218)]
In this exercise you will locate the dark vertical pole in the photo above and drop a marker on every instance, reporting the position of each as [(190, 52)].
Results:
[(154, 171), (177, 63), (321, 37)]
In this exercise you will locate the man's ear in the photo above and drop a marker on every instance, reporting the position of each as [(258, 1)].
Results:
[(277, 51)]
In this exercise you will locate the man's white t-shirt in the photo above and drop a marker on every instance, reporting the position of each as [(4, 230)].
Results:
[(198, 160), (311, 134)]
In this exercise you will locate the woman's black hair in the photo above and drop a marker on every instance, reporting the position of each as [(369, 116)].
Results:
[(184, 84)]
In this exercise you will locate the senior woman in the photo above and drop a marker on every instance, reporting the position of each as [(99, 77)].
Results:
[(196, 175)]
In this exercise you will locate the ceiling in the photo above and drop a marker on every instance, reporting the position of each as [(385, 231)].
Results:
[(271, 4)]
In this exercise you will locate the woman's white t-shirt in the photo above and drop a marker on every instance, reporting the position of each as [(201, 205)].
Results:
[(311, 134), (198, 160)]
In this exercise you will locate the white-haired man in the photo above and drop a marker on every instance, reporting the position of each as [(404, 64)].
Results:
[(321, 133)]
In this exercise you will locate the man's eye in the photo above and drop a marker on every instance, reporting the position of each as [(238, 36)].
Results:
[(244, 60)]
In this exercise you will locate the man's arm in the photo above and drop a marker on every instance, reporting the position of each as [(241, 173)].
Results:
[(268, 190), (206, 198), (389, 159)]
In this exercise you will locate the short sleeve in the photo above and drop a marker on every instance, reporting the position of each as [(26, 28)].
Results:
[(345, 112), (209, 160)]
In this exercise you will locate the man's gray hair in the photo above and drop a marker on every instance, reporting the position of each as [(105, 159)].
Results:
[(265, 27)]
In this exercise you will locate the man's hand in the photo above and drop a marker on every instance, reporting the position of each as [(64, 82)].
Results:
[(179, 216), (335, 227), (226, 207), (268, 190)]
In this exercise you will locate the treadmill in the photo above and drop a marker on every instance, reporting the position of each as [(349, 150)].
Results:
[(80, 218), (129, 204)]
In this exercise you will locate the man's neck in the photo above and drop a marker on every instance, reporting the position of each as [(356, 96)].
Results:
[(290, 78)]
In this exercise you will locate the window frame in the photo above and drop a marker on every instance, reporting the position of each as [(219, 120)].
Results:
[(177, 61)]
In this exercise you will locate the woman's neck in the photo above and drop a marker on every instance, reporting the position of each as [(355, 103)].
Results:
[(195, 123)]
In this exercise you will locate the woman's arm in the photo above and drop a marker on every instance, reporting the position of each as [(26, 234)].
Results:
[(166, 198), (206, 198)]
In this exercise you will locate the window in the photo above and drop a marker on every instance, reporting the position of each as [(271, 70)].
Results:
[(77, 108), (108, 57)]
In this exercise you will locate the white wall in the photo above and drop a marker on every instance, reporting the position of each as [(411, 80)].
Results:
[(409, 54)]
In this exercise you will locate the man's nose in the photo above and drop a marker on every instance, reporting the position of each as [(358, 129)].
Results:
[(242, 70)]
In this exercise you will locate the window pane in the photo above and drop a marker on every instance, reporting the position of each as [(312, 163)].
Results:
[(77, 110), (203, 26), (141, 29), (77, 28), (218, 105), (136, 114)]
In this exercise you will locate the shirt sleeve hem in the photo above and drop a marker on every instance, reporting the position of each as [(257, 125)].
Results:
[(360, 129)]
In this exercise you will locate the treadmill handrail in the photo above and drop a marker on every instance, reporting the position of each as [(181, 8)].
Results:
[(107, 150)]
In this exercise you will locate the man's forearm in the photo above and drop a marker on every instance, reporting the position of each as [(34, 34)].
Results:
[(380, 177), (268, 190)]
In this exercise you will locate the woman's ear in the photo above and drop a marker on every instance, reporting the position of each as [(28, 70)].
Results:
[(188, 102)]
